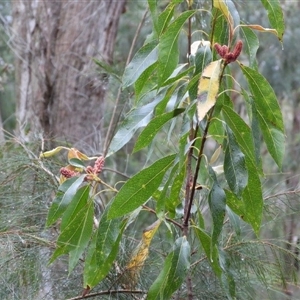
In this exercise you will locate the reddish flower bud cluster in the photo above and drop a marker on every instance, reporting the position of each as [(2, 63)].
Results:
[(96, 169), (68, 173), (228, 56), (99, 164)]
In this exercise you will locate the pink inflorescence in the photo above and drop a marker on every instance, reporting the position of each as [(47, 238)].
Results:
[(228, 56), (68, 173), (99, 164)]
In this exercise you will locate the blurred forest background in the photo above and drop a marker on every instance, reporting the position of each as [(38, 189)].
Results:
[(25, 189)]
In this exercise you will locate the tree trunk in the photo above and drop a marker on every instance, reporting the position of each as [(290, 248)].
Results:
[(59, 94)]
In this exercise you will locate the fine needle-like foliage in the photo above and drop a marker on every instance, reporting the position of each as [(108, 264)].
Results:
[(205, 187)]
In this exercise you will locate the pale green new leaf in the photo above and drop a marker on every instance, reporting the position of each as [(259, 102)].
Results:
[(143, 59), (168, 52), (275, 15), (138, 189), (268, 113), (153, 127), (173, 273)]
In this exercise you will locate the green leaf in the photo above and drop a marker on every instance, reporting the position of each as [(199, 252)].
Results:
[(174, 199), (78, 203), (275, 15), (65, 195), (76, 162), (143, 84), (143, 59), (136, 119), (268, 113), (103, 250), (211, 252), (107, 68), (164, 18), (153, 127), (217, 205), (174, 271), (202, 58), (251, 44), (168, 52), (138, 189), (229, 12), (161, 200), (242, 132), (234, 165), (253, 200), (77, 232)]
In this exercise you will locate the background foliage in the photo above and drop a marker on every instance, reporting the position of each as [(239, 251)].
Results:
[(247, 265)]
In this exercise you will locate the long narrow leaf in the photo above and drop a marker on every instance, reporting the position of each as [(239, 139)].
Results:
[(138, 189), (148, 134), (174, 271), (168, 54)]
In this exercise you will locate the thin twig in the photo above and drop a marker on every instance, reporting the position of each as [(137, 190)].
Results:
[(113, 117), (168, 219), (108, 292)]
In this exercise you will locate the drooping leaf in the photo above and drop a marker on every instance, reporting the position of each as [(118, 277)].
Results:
[(253, 199), (168, 52), (173, 273), (78, 203), (209, 87), (164, 194), (103, 250), (52, 152), (153, 127), (251, 44), (138, 189), (142, 60), (174, 199), (217, 205), (136, 119), (242, 133), (223, 7), (262, 29), (77, 232), (65, 195), (235, 165), (139, 255), (275, 15), (268, 113), (211, 252)]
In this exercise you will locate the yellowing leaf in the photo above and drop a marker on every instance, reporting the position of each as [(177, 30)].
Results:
[(221, 5), (262, 29), (74, 153), (140, 254), (52, 152), (208, 87)]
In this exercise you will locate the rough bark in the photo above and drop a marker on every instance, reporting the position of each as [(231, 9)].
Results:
[(59, 94)]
